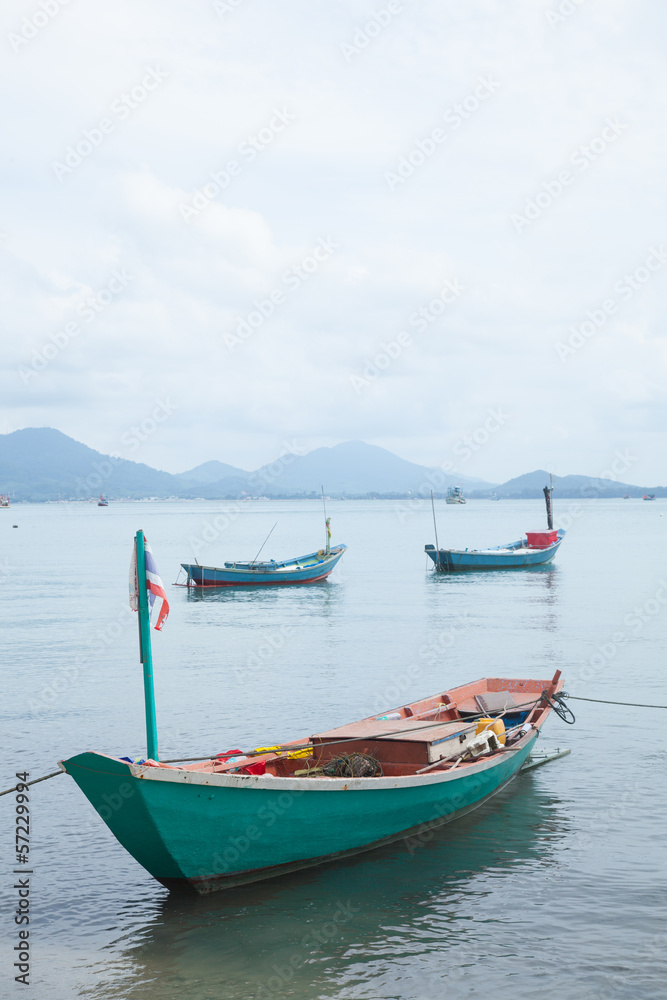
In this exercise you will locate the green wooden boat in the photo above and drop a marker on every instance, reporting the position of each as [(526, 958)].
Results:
[(241, 817)]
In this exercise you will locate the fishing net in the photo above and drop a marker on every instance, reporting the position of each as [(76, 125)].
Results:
[(355, 765)]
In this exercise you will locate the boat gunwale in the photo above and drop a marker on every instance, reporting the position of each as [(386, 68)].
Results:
[(212, 584), (273, 783), (265, 567)]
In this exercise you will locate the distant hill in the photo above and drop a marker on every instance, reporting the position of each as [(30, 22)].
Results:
[(530, 485), (212, 472), (353, 467), (40, 463)]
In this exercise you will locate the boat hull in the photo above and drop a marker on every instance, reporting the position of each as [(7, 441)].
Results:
[(206, 831), (510, 557), (261, 575)]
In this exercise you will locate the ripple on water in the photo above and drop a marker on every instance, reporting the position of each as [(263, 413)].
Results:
[(554, 888)]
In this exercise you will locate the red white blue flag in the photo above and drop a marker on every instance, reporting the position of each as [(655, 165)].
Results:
[(154, 585)]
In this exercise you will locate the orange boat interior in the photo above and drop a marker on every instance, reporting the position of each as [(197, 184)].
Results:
[(422, 737)]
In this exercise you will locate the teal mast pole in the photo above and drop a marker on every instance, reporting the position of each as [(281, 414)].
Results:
[(146, 655)]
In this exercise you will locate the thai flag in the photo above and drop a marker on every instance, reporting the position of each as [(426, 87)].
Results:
[(154, 585)]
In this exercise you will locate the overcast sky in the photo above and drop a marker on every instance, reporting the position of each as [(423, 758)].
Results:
[(250, 225)]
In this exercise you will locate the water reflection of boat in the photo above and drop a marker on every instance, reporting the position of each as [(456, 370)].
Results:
[(337, 919)]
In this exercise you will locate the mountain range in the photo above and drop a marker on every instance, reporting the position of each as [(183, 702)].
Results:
[(531, 485), (41, 463)]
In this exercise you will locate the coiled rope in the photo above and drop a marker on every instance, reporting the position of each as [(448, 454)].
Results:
[(562, 710)]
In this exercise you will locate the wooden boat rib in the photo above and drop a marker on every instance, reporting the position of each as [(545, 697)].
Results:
[(242, 817)]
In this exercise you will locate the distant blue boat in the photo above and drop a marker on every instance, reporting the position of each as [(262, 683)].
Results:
[(536, 549), (515, 555), (310, 568)]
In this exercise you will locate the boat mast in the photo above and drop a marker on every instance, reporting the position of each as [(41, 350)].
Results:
[(262, 545), (437, 547), (327, 524), (145, 652), (548, 492)]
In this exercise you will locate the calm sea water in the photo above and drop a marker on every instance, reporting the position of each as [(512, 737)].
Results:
[(556, 888)]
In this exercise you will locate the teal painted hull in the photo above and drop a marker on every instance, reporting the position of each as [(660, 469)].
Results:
[(206, 831), (514, 555), (312, 568)]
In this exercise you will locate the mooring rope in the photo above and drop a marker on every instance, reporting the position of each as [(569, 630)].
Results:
[(305, 746), (604, 701), (35, 782)]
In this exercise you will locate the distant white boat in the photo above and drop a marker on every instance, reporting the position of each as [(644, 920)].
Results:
[(455, 495)]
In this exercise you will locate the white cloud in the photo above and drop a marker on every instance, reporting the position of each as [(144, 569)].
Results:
[(323, 175)]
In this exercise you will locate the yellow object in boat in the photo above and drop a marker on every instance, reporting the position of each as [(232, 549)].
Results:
[(496, 726)]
